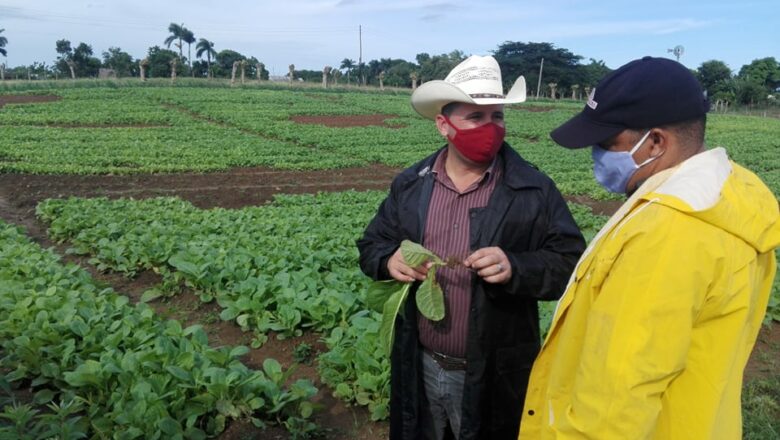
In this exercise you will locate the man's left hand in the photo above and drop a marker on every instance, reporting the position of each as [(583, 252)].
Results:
[(491, 264)]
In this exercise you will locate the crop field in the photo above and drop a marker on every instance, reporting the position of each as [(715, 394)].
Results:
[(180, 262)]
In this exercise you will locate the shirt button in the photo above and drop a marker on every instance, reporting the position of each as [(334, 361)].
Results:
[(531, 412), (455, 226)]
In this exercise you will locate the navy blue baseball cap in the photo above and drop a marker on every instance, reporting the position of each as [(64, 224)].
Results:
[(644, 93)]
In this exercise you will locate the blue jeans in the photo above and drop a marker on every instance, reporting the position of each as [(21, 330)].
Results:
[(444, 395)]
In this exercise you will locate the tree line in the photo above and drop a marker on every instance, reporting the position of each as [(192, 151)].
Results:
[(563, 73)]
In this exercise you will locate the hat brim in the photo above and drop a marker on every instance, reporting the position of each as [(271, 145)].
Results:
[(430, 97), (581, 132)]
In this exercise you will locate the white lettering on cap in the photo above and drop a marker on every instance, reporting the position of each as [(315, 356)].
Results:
[(591, 103)]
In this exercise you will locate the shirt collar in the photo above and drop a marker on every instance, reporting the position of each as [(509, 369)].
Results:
[(441, 160)]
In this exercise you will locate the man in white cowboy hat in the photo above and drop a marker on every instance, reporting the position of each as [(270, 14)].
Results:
[(503, 223)]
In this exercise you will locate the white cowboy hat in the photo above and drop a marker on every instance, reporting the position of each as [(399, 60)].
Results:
[(476, 80)]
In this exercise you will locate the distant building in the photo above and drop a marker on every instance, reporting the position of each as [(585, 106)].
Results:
[(106, 73)]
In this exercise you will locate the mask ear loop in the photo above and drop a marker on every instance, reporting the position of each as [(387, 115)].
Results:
[(447, 119), (638, 145)]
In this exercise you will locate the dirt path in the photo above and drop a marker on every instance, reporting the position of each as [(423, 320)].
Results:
[(27, 99)]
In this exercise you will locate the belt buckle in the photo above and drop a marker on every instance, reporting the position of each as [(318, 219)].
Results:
[(447, 362)]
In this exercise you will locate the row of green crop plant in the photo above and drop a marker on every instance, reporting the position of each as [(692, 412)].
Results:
[(137, 130), (199, 148), (284, 267), (98, 131), (168, 129), (107, 369)]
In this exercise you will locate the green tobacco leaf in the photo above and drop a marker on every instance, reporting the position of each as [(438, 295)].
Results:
[(430, 298), (273, 369), (179, 373), (180, 263), (238, 351), (415, 255), (85, 374), (151, 295), (380, 291), (389, 312), (44, 396)]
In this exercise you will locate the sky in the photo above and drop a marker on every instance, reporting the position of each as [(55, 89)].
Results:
[(314, 33)]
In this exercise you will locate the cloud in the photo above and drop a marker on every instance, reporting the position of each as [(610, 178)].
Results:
[(431, 17), (398, 5), (441, 5), (619, 27), (18, 13)]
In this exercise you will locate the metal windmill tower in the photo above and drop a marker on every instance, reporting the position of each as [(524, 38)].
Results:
[(677, 51)]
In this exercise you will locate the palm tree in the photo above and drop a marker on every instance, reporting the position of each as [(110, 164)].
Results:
[(188, 38), (177, 33), (347, 64), (207, 47), (3, 42)]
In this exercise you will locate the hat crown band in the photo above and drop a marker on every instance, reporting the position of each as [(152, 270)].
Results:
[(486, 95)]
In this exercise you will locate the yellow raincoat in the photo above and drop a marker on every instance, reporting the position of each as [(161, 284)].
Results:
[(654, 330)]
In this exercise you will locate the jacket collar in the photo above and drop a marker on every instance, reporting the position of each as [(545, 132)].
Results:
[(517, 172)]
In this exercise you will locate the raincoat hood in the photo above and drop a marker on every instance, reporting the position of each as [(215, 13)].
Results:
[(717, 191)]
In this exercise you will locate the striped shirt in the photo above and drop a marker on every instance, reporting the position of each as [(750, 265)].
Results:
[(447, 235)]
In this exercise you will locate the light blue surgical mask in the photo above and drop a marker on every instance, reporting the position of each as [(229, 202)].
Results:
[(613, 169)]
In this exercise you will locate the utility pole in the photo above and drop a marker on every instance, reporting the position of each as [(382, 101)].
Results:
[(360, 56), (539, 83)]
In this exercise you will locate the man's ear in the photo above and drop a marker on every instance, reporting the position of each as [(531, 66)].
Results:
[(442, 125), (661, 140)]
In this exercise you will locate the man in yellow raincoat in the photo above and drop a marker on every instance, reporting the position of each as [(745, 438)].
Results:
[(652, 335)]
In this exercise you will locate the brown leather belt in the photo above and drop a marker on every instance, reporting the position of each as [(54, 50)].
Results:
[(446, 362)]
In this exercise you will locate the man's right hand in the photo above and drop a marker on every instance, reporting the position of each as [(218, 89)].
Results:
[(400, 271)]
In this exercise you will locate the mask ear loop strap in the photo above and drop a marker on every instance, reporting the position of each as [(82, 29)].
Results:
[(638, 145), (447, 119)]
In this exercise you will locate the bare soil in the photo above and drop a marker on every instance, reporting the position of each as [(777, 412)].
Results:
[(20, 193), (601, 207), (765, 359), (27, 99), (347, 120), (532, 108), (236, 188)]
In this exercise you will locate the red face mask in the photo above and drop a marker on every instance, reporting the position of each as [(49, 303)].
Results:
[(478, 144)]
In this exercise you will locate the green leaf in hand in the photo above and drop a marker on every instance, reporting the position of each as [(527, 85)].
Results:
[(415, 255), (389, 312), (379, 292), (430, 298)]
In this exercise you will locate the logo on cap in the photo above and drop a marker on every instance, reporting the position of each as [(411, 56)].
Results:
[(591, 103)]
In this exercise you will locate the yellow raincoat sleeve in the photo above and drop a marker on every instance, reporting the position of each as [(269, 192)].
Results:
[(639, 329)]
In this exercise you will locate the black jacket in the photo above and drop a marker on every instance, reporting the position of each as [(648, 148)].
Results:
[(528, 219)]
